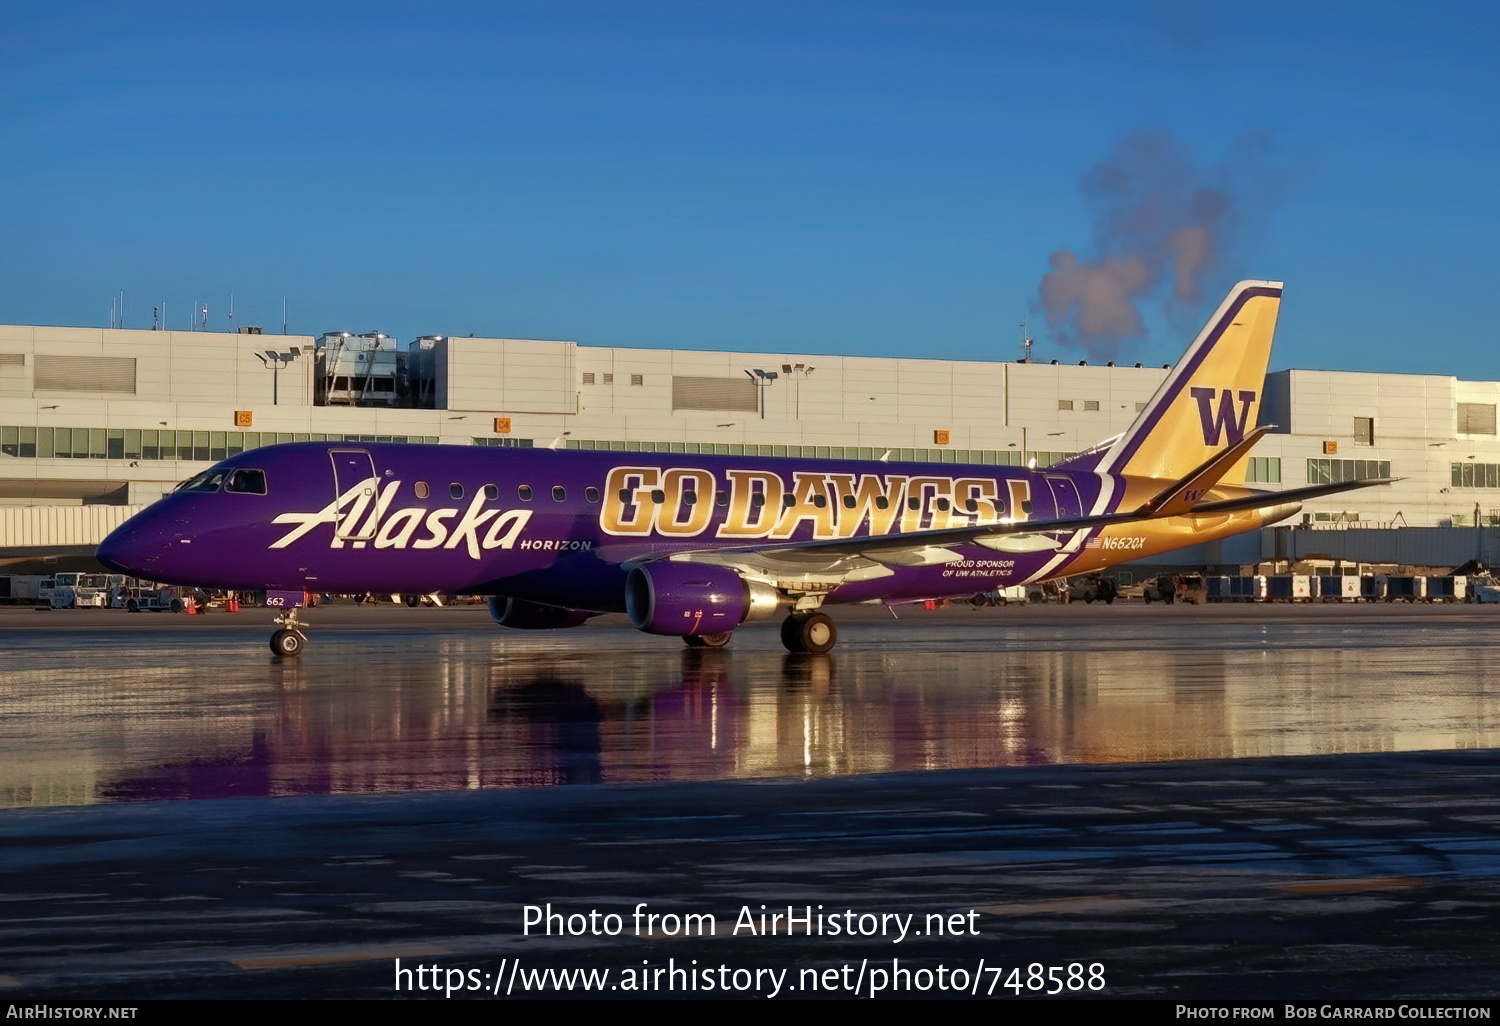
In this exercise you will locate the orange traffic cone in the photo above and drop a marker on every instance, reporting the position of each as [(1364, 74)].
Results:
[(234, 602)]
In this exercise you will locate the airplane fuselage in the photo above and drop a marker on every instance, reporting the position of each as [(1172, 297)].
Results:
[(563, 528)]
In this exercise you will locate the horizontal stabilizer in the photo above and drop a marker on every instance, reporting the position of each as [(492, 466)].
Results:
[(1181, 497), (1262, 500)]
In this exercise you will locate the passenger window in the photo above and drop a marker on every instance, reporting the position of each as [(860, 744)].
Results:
[(690, 498), (658, 496), (1025, 505), (626, 498), (881, 502), (758, 499), (422, 490), (820, 501), (721, 497), (913, 503), (971, 506), (524, 493), (491, 492), (942, 505), (591, 493), (456, 490), (789, 500), (247, 482), (559, 493), (848, 502)]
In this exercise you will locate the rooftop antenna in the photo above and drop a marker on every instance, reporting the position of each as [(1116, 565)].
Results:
[(231, 313), (283, 315), (1026, 343), (203, 318)]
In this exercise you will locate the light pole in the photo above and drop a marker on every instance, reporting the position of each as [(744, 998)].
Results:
[(275, 361), (762, 380), (800, 371)]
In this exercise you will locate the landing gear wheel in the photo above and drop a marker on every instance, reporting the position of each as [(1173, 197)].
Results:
[(708, 640), (287, 643), (813, 634), (413, 601)]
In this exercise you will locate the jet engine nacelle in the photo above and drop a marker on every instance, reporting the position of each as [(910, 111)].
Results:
[(532, 616), (694, 598)]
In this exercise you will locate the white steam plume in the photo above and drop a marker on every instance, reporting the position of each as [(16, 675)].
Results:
[(1164, 230)]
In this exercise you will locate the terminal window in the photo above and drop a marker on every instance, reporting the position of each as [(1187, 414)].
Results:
[(1263, 470), (80, 443), (1364, 430), (1476, 475), (1339, 471), (1476, 418)]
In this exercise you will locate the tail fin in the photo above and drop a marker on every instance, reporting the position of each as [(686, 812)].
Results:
[(1211, 398)]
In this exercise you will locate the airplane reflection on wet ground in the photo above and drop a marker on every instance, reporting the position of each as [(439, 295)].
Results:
[(394, 701), (1072, 783)]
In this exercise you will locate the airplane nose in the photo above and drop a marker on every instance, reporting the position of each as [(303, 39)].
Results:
[(128, 550)]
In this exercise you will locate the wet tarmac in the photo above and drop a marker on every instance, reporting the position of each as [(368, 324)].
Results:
[(101, 705), (1098, 786)]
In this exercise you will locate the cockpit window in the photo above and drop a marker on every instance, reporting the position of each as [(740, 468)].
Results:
[(208, 481), (247, 482)]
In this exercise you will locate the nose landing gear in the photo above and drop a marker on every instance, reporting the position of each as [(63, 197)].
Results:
[(289, 641)]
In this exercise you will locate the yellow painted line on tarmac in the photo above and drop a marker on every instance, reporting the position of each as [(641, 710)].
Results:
[(328, 956), (1386, 883)]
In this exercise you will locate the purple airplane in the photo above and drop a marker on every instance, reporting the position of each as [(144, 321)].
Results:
[(694, 546)]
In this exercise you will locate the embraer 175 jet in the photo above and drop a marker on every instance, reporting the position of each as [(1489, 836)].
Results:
[(694, 546)]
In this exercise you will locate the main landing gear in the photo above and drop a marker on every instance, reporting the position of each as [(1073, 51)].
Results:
[(289, 641), (802, 633), (812, 633)]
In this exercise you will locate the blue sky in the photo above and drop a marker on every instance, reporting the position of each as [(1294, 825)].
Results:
[(859, 178)]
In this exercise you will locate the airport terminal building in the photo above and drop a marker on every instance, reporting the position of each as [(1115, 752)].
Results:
[(96, 423)]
